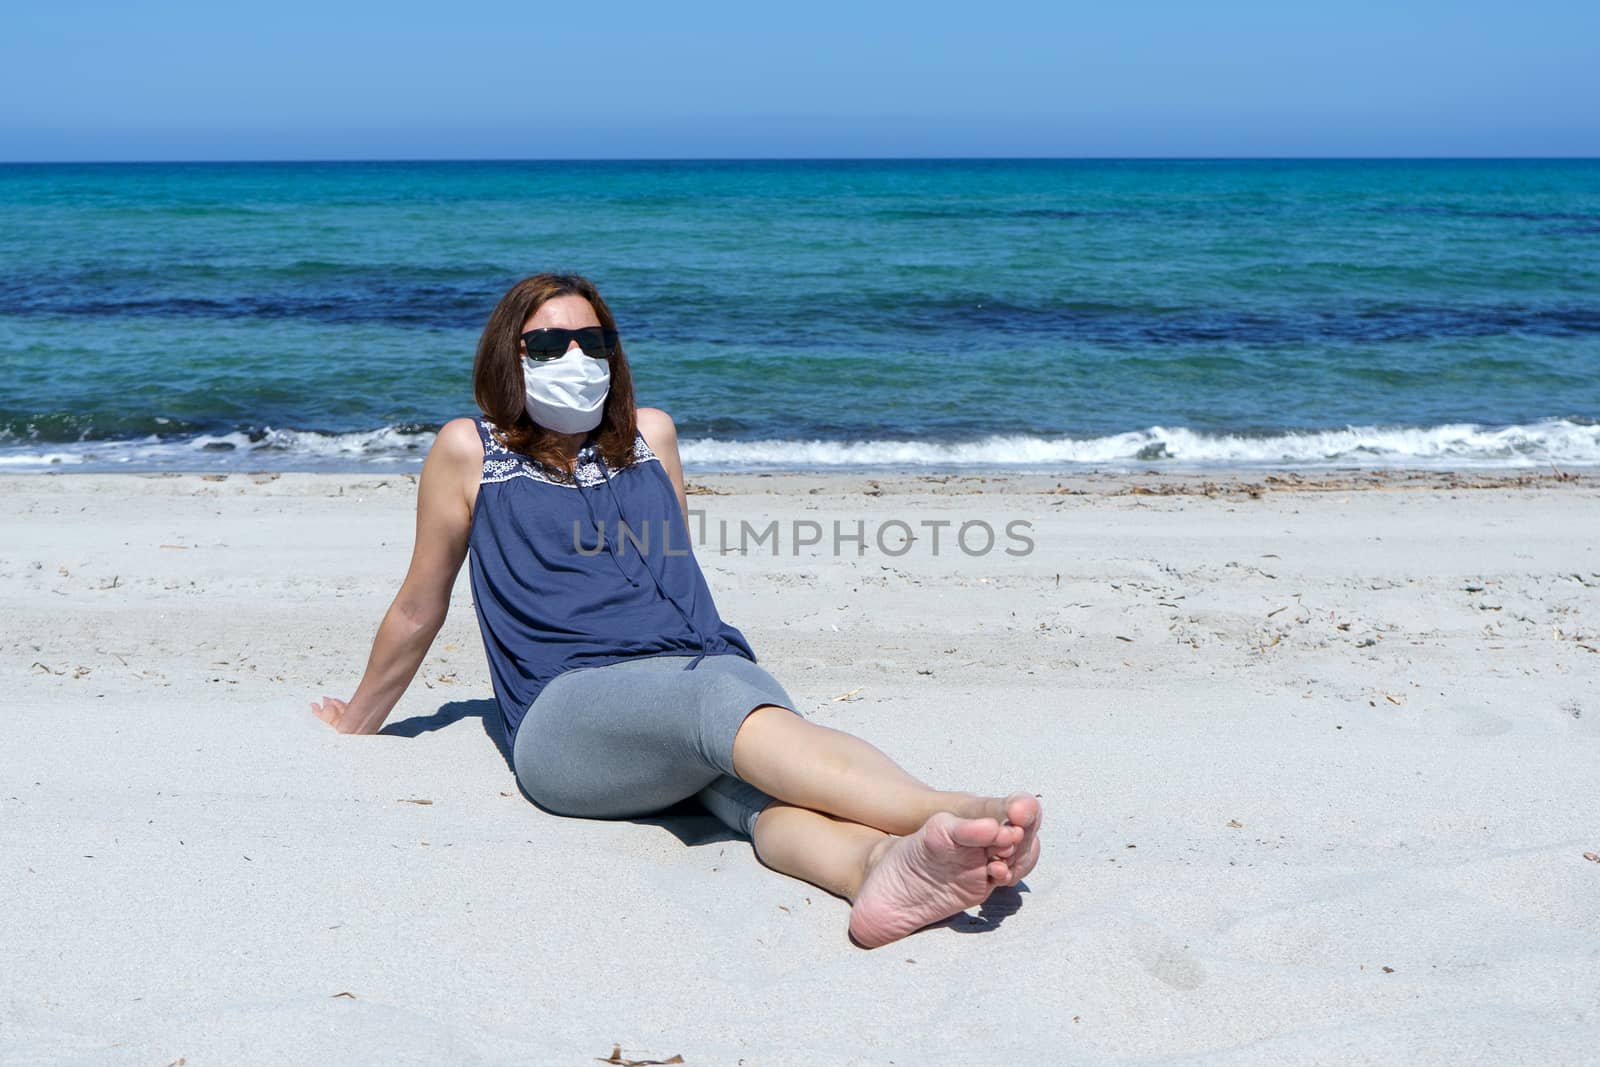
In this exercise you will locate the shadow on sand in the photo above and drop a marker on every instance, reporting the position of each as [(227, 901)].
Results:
[(1003, 903)]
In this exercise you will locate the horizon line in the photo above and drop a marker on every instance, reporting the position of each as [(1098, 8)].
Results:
[(813, 159)]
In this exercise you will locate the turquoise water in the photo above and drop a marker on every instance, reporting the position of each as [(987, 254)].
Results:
[(805, 314)]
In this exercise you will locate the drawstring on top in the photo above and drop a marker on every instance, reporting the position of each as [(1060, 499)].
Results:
[(605, 470), (600, 530)]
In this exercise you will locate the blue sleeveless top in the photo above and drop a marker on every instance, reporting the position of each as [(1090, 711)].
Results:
[(571, 575)]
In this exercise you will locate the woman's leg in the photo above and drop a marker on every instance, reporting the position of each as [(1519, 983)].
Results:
[(817, 767), (622, 740), (895, 885), (634, 737), (826, 770), (829, 853)]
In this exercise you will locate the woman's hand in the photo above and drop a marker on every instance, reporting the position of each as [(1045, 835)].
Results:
[(330, 710)]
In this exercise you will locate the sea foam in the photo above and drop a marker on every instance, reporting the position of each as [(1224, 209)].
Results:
[(1558, 441), (1562, 442)]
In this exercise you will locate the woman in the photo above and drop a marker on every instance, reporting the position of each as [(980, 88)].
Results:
[(621, 689)]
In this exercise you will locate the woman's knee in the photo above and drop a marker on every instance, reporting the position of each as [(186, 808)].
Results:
[(762, 682)]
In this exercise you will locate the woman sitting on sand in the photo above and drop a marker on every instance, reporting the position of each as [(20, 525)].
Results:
[(621, 689)]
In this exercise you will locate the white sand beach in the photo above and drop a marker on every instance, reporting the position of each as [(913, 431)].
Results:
[(1319, 760)]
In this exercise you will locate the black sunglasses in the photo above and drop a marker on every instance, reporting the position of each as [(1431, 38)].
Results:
[(552, 343)]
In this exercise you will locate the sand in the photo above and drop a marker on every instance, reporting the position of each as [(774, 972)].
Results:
[(1319, 759)]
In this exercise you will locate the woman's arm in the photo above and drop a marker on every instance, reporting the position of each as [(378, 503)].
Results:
[(446, 493), (662, 436)]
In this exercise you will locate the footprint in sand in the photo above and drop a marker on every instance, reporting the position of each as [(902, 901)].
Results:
[(1164, 958), (1475, 722)]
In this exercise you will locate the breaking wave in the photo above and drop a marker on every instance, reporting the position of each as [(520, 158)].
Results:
[(1563, 442)]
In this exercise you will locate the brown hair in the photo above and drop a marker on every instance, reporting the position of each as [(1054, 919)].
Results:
[(497, 376)]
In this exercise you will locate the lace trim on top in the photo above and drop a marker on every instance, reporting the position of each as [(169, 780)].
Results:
[(500, 464)]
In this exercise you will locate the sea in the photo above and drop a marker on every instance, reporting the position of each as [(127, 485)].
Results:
[(1057, 315)]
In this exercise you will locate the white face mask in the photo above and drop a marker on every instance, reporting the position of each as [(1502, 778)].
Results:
[(567, 395)]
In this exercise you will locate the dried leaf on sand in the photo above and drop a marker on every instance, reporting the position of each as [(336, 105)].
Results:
[(616, 1058)]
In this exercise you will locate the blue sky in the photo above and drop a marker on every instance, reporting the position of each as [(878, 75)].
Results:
[(130, 80)]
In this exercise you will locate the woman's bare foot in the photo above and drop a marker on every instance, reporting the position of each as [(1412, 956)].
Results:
[(1016, 854), (943, 868), (1023, 810)]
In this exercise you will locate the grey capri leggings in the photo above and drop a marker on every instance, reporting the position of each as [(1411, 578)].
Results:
[(635, 737)]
